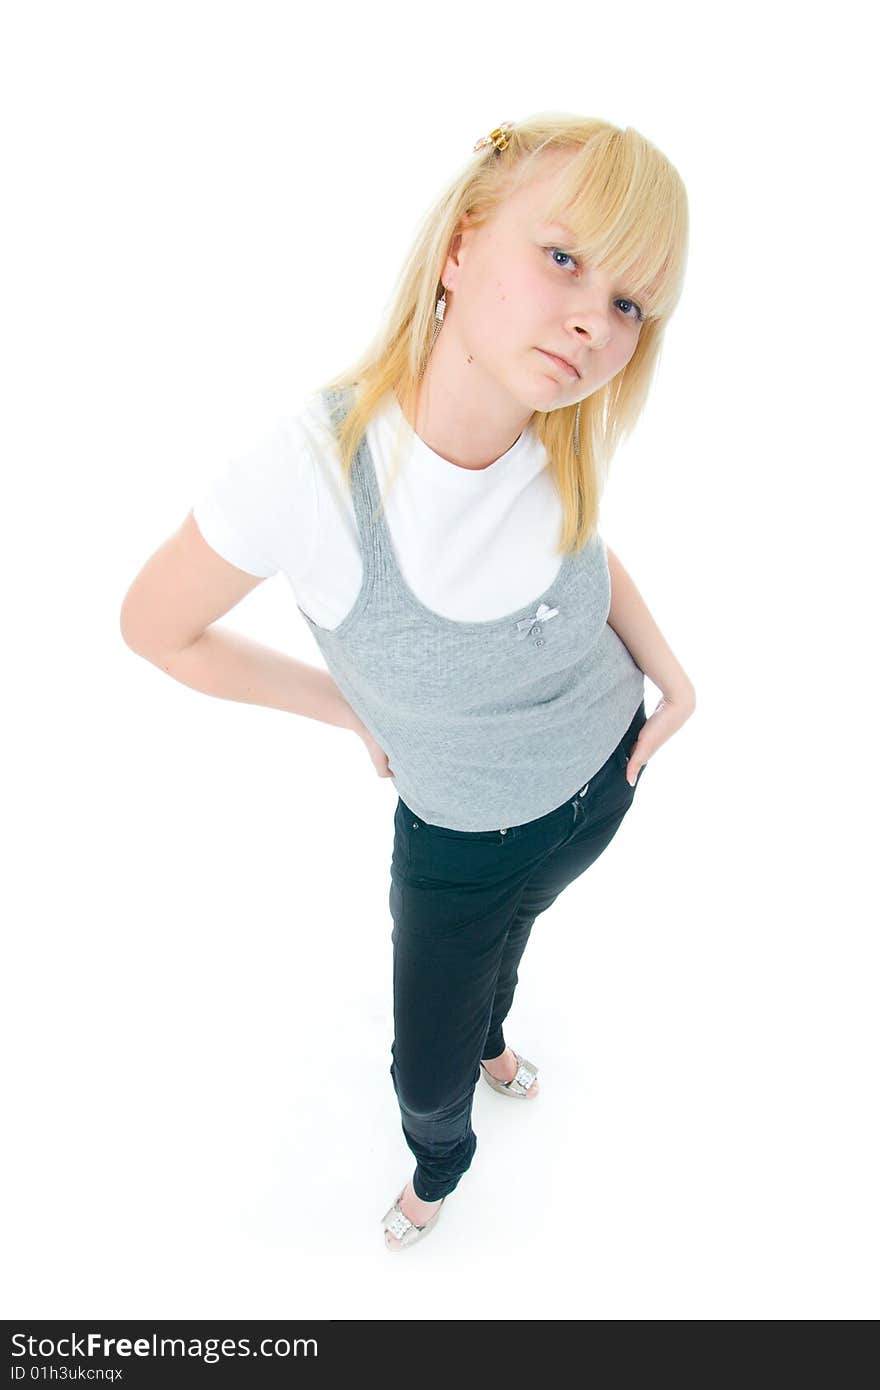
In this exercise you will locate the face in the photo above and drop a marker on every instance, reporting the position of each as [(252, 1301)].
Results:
[(516, 295)]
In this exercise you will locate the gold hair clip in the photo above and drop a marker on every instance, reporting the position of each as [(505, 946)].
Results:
[(497, 137)]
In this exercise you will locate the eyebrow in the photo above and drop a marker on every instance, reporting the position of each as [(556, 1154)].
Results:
[(568, 235), (561, 227)]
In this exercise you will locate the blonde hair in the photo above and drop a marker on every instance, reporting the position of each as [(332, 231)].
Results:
[(627, 206)]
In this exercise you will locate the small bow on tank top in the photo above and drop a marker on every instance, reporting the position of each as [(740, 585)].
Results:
[(527, 625)]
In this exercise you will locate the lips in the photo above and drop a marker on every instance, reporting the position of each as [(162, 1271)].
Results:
[(562, 362)]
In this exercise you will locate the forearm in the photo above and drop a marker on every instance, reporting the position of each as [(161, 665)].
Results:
[(634, 625), (233, 667)]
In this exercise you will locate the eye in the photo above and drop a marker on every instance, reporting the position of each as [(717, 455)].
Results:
[(637, 317), (555, 251)]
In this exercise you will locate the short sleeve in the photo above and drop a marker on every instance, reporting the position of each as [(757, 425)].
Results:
[(260, 511)]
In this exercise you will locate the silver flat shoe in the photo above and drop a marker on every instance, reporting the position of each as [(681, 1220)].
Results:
[(519, 1085), (402, 1228)]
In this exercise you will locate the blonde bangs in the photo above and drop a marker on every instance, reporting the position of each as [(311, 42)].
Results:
[(626, 209)]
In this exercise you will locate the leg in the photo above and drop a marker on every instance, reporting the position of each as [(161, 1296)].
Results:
[(452, 898), (443, 994), (594, 820)]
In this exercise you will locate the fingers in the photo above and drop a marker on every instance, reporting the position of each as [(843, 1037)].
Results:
[(634, 765)]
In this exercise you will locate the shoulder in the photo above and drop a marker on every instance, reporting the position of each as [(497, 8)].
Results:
[(260, 509), (312, 427)]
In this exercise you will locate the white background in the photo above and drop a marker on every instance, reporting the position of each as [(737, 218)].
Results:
[(206, 207)]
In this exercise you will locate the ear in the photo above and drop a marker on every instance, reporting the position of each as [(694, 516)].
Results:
[(457, 248)]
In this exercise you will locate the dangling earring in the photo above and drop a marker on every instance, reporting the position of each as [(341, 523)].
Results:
[(577, 437), (439, 311)]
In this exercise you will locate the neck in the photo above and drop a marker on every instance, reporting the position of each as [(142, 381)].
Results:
[(461, 412)]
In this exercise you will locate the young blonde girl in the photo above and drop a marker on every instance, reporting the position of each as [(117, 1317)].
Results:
[(499, 685)]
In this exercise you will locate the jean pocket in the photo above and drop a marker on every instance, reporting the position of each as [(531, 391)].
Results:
[(468, 860), (400, 854), (626, 747), (622, 754)]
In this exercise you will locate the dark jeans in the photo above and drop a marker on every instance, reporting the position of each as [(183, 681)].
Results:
[(463, 904)]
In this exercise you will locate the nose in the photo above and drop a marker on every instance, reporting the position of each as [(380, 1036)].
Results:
[(592, 324)]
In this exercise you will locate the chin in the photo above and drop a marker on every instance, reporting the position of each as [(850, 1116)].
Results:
[(553, 397)]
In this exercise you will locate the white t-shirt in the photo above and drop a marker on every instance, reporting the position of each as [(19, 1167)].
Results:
[(473, 544)]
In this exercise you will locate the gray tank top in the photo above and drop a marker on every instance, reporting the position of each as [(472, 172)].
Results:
[(486, 724)]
